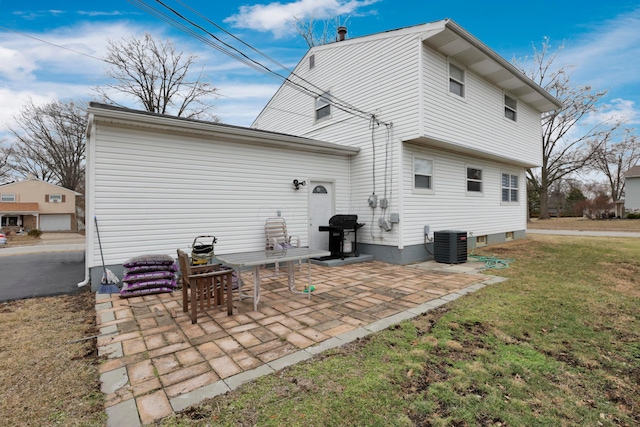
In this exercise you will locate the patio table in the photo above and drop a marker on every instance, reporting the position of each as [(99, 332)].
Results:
[(256, 259)]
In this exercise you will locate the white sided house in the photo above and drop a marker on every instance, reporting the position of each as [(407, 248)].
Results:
[(446, 129), (155, 183), (632, 190)]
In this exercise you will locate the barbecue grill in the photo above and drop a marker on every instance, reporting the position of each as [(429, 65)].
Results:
[(339, 226)]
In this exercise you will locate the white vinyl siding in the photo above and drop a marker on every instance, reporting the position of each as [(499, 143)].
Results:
[(448, 208), (478, 123), (395, 88), (154, 191), (632, 194)]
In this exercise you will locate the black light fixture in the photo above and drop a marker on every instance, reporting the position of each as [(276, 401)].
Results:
[(297, 184)]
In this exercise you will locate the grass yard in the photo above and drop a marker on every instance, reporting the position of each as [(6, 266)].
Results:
[(558, 344), (585, 224)]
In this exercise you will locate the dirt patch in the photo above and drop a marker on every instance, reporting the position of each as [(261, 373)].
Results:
[(48, 368), (624, 277)]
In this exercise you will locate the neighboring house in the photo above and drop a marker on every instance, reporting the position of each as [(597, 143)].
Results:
[(455, 127), (36, 204), (446, 129), (632, 190)]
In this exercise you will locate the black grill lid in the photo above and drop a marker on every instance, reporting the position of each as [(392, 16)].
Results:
[(345, 221)]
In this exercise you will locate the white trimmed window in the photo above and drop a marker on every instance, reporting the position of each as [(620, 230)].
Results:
[(323, 106), (474, 180), (509, 188), (510, 108), (422, 174), (456, 80), (8, 197), (55, 198)]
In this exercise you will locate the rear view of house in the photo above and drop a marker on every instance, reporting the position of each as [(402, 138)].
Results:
[(36, 204), (446, 129)]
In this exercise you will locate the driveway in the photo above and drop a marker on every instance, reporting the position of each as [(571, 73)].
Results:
[(52, 266)]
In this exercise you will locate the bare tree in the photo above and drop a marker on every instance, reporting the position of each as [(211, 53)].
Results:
[(569, 143), (317, 33), (49, 143), (159, 77), (614, 158), (5, 152)]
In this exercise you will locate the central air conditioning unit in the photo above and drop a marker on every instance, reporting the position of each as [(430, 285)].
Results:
[(450, 246)]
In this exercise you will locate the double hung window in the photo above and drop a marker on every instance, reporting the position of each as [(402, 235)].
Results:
[(456, 80)]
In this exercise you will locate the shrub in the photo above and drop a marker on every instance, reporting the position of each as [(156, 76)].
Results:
[(633, 215), (35, 233)]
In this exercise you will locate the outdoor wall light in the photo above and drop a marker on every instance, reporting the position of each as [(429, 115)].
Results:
[(297, 184)]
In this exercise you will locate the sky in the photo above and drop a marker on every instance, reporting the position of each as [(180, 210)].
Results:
[(51, 50)]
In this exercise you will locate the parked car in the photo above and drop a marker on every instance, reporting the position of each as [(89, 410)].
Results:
[(3, 239)]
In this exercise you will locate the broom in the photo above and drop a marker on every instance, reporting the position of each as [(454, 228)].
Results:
[(109, 282)]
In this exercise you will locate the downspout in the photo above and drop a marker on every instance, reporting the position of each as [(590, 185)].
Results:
[(90, 132)]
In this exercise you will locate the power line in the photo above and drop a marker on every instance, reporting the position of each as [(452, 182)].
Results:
[(244, 58), (56, 45)]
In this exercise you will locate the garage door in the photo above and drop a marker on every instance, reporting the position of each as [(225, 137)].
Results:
[(55, 222)]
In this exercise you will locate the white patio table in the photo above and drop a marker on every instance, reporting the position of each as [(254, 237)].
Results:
[(257, 259)]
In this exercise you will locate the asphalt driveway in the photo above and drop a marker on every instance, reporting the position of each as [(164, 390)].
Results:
[(54, 266)]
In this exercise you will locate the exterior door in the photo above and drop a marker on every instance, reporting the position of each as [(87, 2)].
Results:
[(320, 211)]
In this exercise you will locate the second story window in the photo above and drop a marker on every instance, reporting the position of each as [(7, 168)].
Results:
[(323, 106), (8, 197), (456, 80), (55, 198), (510, 108)]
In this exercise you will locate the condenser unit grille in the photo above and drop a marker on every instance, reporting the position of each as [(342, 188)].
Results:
[(450, 246)]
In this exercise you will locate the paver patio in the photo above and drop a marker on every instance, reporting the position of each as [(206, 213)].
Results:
[(159, 362)]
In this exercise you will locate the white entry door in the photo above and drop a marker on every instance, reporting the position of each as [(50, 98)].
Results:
[(320, 211)]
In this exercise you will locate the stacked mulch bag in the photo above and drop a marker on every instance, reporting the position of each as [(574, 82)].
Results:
[(148, 274)]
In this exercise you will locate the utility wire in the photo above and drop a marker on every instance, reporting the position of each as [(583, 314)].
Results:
[(57, 45), (240, 56)]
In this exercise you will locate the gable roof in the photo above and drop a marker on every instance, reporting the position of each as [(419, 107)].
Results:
[(633, 172), (57, 187), (453, 41), (230, 133)]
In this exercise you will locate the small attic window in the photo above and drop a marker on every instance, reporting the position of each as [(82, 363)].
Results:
[(312, 61)]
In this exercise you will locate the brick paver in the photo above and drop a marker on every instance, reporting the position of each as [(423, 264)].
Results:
[(166, 356)]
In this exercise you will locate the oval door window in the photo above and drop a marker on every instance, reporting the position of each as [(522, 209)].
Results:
[(319, 189)]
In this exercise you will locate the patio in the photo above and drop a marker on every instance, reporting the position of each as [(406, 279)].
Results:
[(159, 362)]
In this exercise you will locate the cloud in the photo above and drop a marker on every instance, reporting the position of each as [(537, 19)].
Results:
[(617, 110), (277, 17), (609, 55)]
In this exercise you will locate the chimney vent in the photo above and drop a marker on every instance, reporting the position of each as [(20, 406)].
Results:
[(342, 32)]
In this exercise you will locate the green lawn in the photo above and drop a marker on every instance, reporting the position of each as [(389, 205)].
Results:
[(558, 344)]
